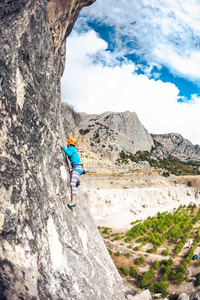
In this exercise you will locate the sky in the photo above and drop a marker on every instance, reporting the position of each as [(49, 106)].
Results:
[(141, 56)]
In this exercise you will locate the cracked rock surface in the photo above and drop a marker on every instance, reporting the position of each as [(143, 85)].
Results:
[(47, 251)]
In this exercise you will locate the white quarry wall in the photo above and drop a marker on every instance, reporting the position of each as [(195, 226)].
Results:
[(117, 208)]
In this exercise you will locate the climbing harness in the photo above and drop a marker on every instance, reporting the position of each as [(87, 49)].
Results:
[(70, 171)]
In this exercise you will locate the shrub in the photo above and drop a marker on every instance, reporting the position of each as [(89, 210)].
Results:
[(146, 277), (133, 271), (164, 277), (118, 253), (117, 238), (189, 183), (140, 260), (159, 287), (166, 174), (153, 249), (128, 255), (106, 230), (83, 132), (128, 239), (110, 251), (155, 265), (124, 271), (137, 248), (166, 251), (179, 277)]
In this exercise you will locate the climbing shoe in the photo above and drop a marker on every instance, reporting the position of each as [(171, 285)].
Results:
[(71, 204)]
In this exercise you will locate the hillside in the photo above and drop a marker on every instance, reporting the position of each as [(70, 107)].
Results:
[(174, 146), (157, 253), (124, 185), (109, 134)]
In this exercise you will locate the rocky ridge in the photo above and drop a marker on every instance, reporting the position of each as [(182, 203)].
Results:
[(174, 146), (47, 251), (108, 133)]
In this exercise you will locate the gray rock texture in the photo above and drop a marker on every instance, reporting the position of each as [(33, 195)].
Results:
[(145, 295), (47, 251), (183, 297), (195, 296), (173, 145), (108, 133)]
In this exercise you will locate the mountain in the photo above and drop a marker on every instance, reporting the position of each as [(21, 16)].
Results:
[(173, 145), (108, 133), (47, 250)]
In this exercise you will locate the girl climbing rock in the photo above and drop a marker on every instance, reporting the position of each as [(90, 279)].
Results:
[(77, 168)]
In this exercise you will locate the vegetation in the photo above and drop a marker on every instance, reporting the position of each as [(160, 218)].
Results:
[(170, 165), (139, 261), (110, 251), (133, 272), (124, 271), (84, 131), (166, 251), (173, 229)]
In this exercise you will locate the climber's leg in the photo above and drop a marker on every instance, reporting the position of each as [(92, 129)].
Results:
[(74, 178)]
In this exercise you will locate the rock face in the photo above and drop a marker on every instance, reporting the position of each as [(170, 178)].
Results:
[(117, 208), (175, 146), (108, 133), (47, 251)]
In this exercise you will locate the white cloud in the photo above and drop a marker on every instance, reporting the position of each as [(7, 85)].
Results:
[(95, 88), (188, 64), (173, 24)]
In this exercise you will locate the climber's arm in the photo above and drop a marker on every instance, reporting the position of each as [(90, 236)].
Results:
[(67, 151)]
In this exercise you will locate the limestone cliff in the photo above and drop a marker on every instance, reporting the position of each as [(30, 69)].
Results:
[(173, 145), (46, 250), (108, 133)]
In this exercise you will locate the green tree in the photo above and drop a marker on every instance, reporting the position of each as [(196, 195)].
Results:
[(179, 277), (155, 265), (124, 271), (110, 251), (133, 272), (166, 251), (140, 260)]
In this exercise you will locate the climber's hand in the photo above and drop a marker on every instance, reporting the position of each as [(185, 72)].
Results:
[(59, 144)]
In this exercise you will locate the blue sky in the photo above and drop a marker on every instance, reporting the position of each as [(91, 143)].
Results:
[(141, 56)]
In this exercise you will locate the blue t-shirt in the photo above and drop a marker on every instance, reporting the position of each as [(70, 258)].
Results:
[(72, 155)]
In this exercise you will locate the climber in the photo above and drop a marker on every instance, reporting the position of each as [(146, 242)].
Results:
[(77, 168)]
